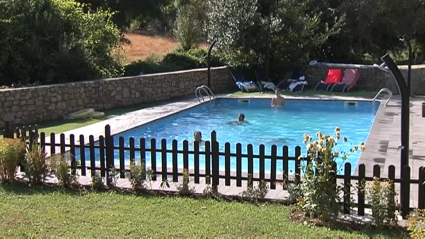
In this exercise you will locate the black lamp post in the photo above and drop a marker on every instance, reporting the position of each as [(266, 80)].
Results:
[(209, 61), (409, 66), (405, 117)]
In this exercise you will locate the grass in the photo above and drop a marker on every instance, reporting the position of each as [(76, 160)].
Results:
[(44, 212)]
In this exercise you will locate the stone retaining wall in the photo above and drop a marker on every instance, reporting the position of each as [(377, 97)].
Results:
[(37, 104)]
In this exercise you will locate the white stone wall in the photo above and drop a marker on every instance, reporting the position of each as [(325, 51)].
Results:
[(31, 105)]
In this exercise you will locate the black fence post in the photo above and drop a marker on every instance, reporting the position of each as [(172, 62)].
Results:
[(215, 161), (109, 155)]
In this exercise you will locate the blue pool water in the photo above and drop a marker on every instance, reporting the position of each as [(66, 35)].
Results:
[(266, 125)]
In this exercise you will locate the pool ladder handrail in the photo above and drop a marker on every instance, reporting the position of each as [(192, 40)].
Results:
[(390, 93), (207, 91)]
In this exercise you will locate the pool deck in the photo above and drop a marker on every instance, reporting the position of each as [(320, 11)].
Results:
[(381, 145)]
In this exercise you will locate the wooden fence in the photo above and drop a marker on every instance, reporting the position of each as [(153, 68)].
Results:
[(211, 169)]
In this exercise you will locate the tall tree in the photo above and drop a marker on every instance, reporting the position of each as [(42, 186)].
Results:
[(253, 32)]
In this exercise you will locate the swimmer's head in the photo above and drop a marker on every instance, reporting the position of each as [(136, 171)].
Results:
[(197, 136), (277, 92), (241, 117)]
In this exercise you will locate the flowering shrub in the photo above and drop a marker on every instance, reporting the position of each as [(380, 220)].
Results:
[(320, 196), (417, 224)]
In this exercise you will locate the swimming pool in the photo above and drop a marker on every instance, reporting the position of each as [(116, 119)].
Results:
[(266, 125)]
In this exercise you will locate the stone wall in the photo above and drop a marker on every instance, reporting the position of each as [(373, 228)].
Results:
[(372, 78), (37, 104)]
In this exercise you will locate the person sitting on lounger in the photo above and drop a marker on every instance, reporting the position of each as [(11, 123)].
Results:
[(277, 100)]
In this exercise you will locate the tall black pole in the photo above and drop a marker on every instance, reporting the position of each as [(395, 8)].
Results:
[(409, 67), (406, 40), (405, 117), (209, 62)]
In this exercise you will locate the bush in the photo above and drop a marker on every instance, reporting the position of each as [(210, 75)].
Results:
[(35, 165), (320, 194), (381, 196), (60, 166), (96, 181), (174, 61), (12, 153), (417, 224), (137, 175)]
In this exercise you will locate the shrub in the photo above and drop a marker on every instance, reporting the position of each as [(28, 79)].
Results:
[(60, 166), (320, 194), (35, 164), (182, 61), (12, 153), (381, 197), (137, 175), (184, 189), (417, 224), (96, 181), (256, 193)]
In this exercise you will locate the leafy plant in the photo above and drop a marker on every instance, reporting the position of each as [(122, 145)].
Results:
[(12, 152), (96, 181), (60, 165), (35, 164), (113, 176), (417, 224), (137, 175), (320, 194), (256, 193), (184, 189), (381, 197)]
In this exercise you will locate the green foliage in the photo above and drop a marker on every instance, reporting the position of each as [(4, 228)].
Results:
[(12, 152), (417, 224), (381, 197), (173, 61), (190, 22), (56, 41), (253, 32), (320, 193), (137, 175), (256, 193), (35, 164), (184, 188), (96, 181), (60, 166)]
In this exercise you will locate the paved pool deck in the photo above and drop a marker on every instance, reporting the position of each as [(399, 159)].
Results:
[(381, 145)]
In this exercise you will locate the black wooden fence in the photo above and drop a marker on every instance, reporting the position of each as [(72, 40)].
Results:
[(212, 170)]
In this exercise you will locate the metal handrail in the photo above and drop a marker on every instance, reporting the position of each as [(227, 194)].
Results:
[(207, 91), (390, 93)]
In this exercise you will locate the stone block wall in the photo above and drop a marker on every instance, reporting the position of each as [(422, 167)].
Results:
[(31, 105)]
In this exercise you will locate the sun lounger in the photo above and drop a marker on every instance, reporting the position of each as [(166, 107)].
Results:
[(244, 85), (263, 81), (334, 76), (351, 76)]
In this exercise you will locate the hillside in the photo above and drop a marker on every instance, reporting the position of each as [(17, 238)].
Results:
[(139, 46)]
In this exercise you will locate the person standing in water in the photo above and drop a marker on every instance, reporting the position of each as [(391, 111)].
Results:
[(277, 100)]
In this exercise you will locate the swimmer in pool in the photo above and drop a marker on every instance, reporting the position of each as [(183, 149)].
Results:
[(277, 100), (197, 136), (241, 120)]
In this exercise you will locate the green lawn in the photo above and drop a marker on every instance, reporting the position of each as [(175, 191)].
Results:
[(43, 212)]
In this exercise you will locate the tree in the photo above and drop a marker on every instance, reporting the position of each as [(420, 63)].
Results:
[(56, 41), (256, 32), (190, 22)]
